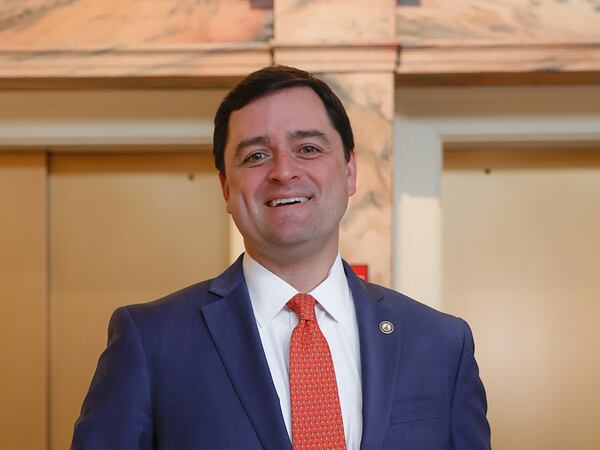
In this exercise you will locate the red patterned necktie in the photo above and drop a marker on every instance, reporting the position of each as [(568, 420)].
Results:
[(316, 413)]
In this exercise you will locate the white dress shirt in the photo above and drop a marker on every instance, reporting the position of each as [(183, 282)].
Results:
[(337, 319)]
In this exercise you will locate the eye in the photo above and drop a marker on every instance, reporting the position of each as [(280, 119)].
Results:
[(309, 150), (255, 157)]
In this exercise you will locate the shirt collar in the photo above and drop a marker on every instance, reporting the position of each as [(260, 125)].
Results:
[(269, 293)]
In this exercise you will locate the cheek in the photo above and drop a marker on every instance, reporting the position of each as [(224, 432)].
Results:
[(245, 190), (241, 199)]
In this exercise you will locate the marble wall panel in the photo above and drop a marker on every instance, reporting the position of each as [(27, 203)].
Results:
[(366, 231), (64, 24), (522, 22), (333, 21)]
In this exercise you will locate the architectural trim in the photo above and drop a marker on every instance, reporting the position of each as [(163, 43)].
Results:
[(338, 58), (199, 60), (499, 58), (210, 65), (96, 119)]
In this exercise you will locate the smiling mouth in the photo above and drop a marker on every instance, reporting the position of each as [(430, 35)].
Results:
[(278, 202)]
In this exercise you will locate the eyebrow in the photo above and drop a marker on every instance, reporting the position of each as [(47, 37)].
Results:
[(303, 134), (293, 135), (256, 140)]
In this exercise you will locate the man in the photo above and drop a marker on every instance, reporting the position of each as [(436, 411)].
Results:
[(287, 346)]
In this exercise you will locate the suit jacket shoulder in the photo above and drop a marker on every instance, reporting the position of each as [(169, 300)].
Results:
[(421, 385)]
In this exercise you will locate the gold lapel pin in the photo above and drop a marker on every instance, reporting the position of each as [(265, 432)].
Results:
[(386, 327)]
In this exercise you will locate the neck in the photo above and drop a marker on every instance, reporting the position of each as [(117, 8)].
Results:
[(304, 272)]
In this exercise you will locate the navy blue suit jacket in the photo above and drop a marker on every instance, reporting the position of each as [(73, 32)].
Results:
[(188, 372)]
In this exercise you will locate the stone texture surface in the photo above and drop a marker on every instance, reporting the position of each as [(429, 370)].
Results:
[(459, 22), (63, 24), (526, 37), (333, 21)]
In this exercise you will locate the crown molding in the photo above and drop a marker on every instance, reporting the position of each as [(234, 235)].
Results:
[(499, 58), (223, 64), (339, 58), (198, 60)]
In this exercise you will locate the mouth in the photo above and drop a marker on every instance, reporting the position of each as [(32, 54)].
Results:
[(279, 202)]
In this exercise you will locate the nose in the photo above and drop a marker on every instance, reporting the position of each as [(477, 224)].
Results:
[(284, 168)]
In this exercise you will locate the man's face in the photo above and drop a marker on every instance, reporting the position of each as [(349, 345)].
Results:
[(287, 182)]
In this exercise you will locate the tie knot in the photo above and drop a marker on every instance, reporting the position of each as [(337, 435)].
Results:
[(303, 305)]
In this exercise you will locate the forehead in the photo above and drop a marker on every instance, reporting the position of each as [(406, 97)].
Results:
[(289, 108)]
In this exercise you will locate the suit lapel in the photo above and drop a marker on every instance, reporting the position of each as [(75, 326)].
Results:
[(233, 328), (379, 354)]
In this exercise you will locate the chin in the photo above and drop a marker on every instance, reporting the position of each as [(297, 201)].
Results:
[(300, 239), (288, 241)]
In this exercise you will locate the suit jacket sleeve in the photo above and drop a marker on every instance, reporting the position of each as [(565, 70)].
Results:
[(116, 413), (470, 428)]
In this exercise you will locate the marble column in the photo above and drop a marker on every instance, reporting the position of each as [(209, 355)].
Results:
[(349, 45)]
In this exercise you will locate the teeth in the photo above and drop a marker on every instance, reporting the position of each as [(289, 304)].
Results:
[(287, 201)]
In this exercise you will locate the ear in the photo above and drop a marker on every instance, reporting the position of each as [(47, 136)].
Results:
[(224, 189), (351, 173)]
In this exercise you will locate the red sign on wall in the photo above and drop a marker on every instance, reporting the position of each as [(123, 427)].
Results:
[(361, 270)]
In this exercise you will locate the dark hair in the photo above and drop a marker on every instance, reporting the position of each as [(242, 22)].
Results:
[(270, 79)]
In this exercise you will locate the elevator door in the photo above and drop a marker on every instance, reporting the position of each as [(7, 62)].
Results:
[(521, 262), (124, 228)]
